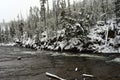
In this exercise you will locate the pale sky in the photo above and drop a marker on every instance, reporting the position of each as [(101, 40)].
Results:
[(9, 9)]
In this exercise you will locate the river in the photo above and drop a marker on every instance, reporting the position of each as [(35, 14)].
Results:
[(34, 64)]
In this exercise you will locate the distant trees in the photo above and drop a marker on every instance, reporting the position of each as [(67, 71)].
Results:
[(4, 32), (0, 34), (62, 14), (33, 20), (12, 29)]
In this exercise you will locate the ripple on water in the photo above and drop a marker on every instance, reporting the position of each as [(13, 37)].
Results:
[(28, 52)]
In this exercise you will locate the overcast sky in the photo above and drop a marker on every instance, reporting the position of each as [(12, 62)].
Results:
[(9, 9)]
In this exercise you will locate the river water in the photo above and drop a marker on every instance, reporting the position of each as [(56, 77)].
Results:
[(34, 64)]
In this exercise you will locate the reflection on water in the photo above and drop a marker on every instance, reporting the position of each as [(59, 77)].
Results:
[(33, 67)]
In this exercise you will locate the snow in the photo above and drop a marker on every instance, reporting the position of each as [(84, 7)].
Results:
[(60, 33), (98, 39), (28, 41), (7, 44), (106, 46), (115, 60), (62, 45)]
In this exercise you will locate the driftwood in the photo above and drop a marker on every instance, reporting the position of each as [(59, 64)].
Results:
[(87, 75), (54, 76)]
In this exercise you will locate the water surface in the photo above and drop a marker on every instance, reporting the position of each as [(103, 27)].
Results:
[(34, 64)]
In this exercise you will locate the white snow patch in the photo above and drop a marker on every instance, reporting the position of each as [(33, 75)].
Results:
[(7, 44)]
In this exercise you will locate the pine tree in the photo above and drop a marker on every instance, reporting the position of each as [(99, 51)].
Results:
[(69, 9), (12, 29), (43, 11), (6, 34), (117, 9), (0, 34), (21, 25)]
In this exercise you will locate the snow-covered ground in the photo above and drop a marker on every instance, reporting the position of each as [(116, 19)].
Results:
[(100, 39), (99, 36), (7, 44)]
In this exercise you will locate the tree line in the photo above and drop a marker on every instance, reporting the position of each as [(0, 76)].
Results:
[(62, 14)]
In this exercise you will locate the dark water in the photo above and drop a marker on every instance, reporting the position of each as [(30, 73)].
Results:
[(34, 64)]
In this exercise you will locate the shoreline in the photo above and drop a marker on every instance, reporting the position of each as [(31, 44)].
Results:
[(35, 47)]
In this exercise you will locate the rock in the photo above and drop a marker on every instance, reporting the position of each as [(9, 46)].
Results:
[(19, 58), (76, 69)]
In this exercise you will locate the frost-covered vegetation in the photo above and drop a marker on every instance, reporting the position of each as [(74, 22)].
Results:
[(84, 26)]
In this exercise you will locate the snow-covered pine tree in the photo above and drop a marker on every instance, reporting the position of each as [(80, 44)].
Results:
[(43, 11), (117, 9)]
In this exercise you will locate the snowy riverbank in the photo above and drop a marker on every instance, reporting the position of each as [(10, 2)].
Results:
[(101, 39)]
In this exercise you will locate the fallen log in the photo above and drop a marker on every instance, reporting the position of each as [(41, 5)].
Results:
[(87, 75), (54, 76)]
